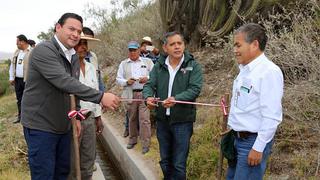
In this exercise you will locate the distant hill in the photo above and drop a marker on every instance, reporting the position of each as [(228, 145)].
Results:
[(5, 56)]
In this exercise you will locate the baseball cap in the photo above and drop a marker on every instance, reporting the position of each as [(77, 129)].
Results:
[(147, 38), (133, 45)]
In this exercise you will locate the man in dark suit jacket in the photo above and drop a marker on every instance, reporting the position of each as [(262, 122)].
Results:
[(52, 77)]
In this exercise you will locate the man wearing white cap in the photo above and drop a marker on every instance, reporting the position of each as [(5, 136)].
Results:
[(147, 50), (132, 74)]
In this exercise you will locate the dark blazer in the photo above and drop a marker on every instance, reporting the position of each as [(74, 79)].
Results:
[(51, 78)]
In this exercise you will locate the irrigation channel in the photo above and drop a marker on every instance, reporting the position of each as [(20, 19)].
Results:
[(108, 168)]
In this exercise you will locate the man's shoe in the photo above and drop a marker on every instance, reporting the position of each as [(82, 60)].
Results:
[(16, 121), (126, 133), (145, 150), (130, 146)]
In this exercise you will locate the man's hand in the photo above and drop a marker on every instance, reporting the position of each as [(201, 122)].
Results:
[(151, 102), (12, 82), (99, 125), (130, 81), (143, 80), (78, 125), (254, 157), (155, 51), (110, 101), (169, 102)]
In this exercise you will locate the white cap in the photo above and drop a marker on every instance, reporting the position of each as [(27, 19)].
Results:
[(147, 38)]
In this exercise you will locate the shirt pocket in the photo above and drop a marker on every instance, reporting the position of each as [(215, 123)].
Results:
[(245, 99)]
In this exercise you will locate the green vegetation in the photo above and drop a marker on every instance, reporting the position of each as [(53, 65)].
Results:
[(4, 78), (13, 159)]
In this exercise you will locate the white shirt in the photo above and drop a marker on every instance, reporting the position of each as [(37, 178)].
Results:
[(67, 52), (138, 69), (90, 79), (172, 74), (256, 100), (19, 64)]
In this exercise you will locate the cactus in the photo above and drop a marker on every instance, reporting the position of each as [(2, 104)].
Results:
[(209, 19)]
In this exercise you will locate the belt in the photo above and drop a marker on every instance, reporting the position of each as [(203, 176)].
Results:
[(244, 134), (137, 90)]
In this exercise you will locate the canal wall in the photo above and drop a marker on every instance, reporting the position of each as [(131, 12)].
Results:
[(131, 163)]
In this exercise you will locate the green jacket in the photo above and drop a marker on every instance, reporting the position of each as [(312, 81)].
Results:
[(186, 87)]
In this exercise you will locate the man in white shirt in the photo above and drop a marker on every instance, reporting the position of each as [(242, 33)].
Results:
[(256, 108), (132, 74), (92, 125), (18, 70)]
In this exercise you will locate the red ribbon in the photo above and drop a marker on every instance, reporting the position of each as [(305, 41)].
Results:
[(80, 114), (223, 106)]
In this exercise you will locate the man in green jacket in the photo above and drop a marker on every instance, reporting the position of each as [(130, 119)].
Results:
[(176, 76)]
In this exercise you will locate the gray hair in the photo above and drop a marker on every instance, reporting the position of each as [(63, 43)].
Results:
[(253, 32)]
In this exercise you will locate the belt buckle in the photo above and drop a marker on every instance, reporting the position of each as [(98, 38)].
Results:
[(238, 134)]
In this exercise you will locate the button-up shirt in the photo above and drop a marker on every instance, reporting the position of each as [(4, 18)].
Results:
[(172, 74), (67, 52), (256, 100), (90, 79), (138, 69)]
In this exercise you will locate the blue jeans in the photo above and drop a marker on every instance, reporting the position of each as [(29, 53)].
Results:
[(48, 154), (174, 143), (242, 171)]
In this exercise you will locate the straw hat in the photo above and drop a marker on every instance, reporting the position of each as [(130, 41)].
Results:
[(83, 36)]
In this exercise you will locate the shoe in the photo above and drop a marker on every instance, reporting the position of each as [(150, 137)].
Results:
[(145, 150), (126, 133), (16, 121), (130, 146)]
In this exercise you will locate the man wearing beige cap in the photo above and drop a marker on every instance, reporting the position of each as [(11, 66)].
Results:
[(147, 49), (132, 74)]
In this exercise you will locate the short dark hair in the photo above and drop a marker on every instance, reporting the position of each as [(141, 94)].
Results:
[(87, 31), (31, 42), (22, 37), (170, 34), (253, 32), (65, 16)]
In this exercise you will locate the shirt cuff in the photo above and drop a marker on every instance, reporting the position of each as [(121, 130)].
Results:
[(259, 144)]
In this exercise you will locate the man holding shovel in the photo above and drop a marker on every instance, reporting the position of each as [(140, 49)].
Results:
[(52, 77)]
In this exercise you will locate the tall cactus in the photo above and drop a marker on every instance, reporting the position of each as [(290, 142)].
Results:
[(208, 19)]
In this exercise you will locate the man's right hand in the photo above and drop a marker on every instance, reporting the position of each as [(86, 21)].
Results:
[(12, 82), (130, 81), (151, 102), (110, 101)]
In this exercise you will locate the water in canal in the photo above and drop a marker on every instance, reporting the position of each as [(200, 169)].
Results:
[(110, 172)]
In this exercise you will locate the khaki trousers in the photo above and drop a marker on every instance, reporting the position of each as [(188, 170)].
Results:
[(87, 149), (139, 113)]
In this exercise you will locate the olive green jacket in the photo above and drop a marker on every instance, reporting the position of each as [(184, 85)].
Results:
[(186, 87)]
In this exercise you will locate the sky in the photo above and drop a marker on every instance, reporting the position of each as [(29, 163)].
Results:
[(33, 16)]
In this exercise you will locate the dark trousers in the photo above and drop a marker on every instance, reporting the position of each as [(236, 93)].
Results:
[(48, 154), (19, 88), (174, 141)]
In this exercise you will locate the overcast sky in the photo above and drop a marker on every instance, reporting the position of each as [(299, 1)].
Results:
[(33, 16)]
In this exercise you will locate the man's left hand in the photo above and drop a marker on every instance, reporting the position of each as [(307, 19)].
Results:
[(99, 125), (254, 157), (169, 102)]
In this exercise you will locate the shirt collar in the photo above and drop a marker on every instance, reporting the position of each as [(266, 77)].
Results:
[(129, 60), (253, 63), (70, 51), (181, 61)]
